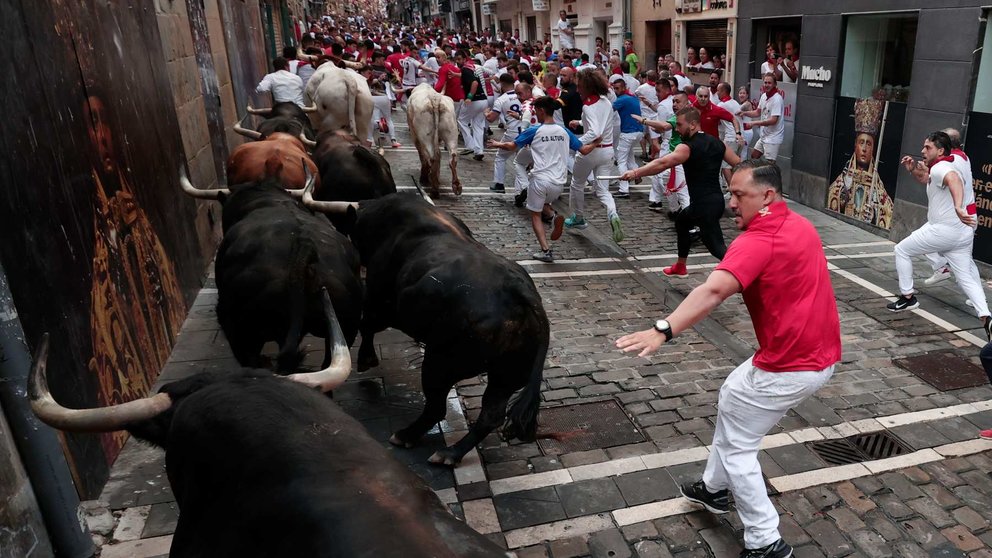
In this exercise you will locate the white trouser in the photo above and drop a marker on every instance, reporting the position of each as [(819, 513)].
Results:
[(625, 155), (380, 109), (472, 123), (751, 402), (521, 179), (599, 161), (673, 187), (502, 156), (954, 244)]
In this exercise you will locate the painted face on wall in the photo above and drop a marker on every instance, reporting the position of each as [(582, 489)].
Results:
[(864, 150), (99, 131)]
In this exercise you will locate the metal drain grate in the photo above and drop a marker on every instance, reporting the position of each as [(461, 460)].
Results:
[(856, 449), (585, 426), (944, 370)]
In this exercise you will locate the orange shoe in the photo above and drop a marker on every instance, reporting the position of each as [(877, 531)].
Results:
[(676, 269), (559, 223)]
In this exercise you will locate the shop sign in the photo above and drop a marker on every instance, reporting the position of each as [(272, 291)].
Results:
[(691, 6), (489, 8), (815, 77), (542, 5), (717, 4)]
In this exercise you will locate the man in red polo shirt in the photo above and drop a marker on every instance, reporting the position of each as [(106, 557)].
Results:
[(710, 115), (779, 266)]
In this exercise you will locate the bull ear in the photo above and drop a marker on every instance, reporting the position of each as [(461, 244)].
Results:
[(222, 197)]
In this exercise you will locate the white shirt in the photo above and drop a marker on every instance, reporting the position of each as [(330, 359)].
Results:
[(767, 68), (665, 111), (537, 92), (305, 71), (772, 107), (964, 169), (646, 93), (410, 65), (597, 121), (586, 66), (940, 204), (706, 65), (566, 40), (682, 81), (432, 64), (285, 87), (727, 128), (785, 75), (549, 147), (503, 105), (632, 83)]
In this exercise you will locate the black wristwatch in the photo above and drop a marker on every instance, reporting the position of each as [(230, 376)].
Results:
[(664, 328)]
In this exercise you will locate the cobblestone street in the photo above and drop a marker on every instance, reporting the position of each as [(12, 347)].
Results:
[(635, 428)]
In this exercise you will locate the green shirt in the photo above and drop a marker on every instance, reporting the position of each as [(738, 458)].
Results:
[(633, 61), (676, 137)]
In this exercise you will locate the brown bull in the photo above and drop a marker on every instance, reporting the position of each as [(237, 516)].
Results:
[(277, 156)]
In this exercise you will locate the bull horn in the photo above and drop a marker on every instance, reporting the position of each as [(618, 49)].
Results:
[(311, 108), (401, 90), (191, 191), (306, 141), (261, 111), (340, 368), (421, 191), (322, 206), (245, 131), (106, 419)]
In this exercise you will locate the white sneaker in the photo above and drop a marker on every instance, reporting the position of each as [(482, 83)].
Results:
[(942, 274)]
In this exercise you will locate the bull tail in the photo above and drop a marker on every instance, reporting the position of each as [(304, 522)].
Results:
[(302, 261), (522, 416)]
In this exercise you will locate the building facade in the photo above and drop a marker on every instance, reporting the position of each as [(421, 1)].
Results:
[(651, 29), (872, 85), (706, 24)]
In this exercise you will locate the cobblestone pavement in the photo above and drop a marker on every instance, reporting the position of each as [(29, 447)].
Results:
[(612, 490)]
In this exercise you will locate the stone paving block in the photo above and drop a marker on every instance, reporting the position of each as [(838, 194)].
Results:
[(846, 520), (923, 533), (829, 539), (768, 466), (919, 436), (721, 541), (872, 544), (677, 533), (537, 551), (933, 512), (651, 485), (530, 507), (908, 549), (956, 429), (584, 457), (970, 518), (687, 472), (507, 469), (808, 551), (941, 495), (639, 531), (982, 420), (799, 507), (822, 497), (962, 538), (571, 547), (900, 485), (162, 520), (816, 413), (796, 458), (853, 497), (590, 496), (883, 526), (473, 491), (893, 506), (609, 544)]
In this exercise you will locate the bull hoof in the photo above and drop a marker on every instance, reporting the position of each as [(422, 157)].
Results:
[(444, 457), (396, 441), (456, 187), (365, 363)]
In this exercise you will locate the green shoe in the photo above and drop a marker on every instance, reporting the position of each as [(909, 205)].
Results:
[(575, 222), (617, 231)]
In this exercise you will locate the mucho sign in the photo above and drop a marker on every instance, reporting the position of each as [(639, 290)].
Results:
[(815, 77)]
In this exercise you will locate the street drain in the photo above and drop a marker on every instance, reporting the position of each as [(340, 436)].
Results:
[(944, 370), (856, 449), (585, 426)]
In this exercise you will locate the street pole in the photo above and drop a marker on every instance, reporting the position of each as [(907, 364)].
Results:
[(37, 444)]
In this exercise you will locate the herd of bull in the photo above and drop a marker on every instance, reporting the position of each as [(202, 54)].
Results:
[(264, 464)]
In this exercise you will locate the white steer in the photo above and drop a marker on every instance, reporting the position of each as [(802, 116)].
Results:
[(343, 100), (431, 117)]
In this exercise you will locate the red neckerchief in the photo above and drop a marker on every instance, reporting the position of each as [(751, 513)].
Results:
[(948, 158), (692, 99), (959, 153), (772, 91), (651, 83), (665, 97), (700, 108), (679, 74), (553, 92), (617, 71), (591, 100), (725, 99)]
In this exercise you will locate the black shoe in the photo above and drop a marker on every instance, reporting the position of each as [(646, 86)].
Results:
[(544, 256), (621, 195), (987, 326), (672, 215), (903, 303), (718, 503), (778, 549), (656, 207), (547, 218), (497, 188), (478, 157), (520, 198)]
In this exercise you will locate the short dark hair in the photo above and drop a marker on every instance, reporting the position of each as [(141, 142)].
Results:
[(941, 140), (526, 77), (281, 63), (289, 52), (763, 172), (625, 66), (506, 79), (691, 114), (546, 103)]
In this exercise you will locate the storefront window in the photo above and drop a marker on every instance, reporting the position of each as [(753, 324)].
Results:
[(706, 44), (878, 56), (983, 91)]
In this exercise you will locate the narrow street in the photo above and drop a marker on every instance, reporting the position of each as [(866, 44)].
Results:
[(881, 462)]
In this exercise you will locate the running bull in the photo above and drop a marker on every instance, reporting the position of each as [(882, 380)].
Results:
[(342, 98), (278, 269), (475, 312), (431, 117), (262, 466), (286, 118), (353, 173), (277, 156)]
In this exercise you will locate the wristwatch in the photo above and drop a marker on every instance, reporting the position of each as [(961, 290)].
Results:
[(664, 328)]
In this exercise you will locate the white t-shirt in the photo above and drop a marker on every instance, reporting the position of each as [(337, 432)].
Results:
[(285, 87), (682, 81), (567, 41), (727, 128), (665, 111), (410, 66), (785, 75), (632, 83), (940, 204), (506, 103), (646, 93), (767, 68), (431, 63), (549, 146), (772, 107), (964, 169), (706, 65)]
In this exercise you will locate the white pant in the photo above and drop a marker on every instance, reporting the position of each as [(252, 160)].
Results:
[(677, 195), (625, 155), (502, 156), (599, 161), (472, 123), (380, 109), (751, 402), (522, 178), (951, 243)]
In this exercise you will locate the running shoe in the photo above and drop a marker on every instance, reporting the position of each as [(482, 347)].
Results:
[(778, 549), (987, 326), (903, 303), (544, 256), (986, 434), (477, 156), (575, 222), (397, 144), (657, 207), (617, 229), (559, 223), (621, 195), (497, 188), (676, 269), (715, 502), (520, 198), (942, 274)]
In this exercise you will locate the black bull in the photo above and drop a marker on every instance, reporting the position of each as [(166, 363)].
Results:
[(349, 172), (476, 312), (275, 269), (262, 467), (286, 117)]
